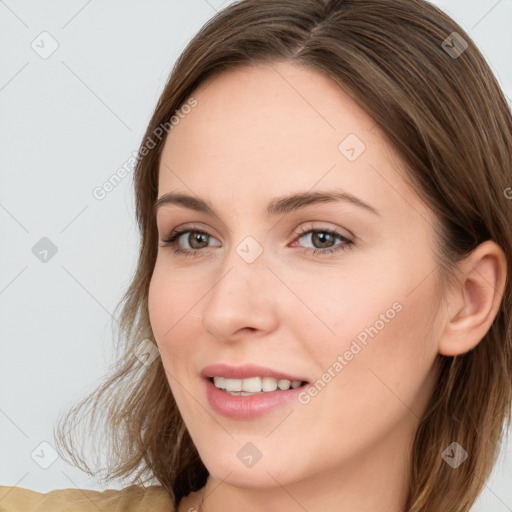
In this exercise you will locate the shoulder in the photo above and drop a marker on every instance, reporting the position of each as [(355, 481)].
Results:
[(130, 499)]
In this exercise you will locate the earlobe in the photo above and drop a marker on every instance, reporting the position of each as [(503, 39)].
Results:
[(475, 302)]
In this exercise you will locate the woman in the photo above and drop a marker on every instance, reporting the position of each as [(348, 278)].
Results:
[(322, 297)]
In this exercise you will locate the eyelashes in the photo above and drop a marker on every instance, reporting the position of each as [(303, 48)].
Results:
[(173, 240)]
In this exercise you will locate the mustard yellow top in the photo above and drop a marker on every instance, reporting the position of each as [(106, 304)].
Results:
[(130, 499)]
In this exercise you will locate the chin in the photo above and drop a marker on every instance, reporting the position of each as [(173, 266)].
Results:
[(232, 465), (246, 478)]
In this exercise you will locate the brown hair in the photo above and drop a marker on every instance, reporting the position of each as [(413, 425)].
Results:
[(448, 118)]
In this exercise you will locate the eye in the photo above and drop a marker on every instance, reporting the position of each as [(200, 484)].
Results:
[(323, 236), (197, 237)]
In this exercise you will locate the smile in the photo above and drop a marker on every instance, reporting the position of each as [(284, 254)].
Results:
[(254, 385)]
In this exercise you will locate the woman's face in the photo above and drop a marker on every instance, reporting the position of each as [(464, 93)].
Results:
[(274, 283)]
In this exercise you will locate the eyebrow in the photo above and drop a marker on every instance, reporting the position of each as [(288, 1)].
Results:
[(278, 206)]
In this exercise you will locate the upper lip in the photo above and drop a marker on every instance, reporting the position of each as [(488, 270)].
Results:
[(245, 371)]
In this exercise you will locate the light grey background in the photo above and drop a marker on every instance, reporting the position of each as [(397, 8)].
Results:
[(68, 122)]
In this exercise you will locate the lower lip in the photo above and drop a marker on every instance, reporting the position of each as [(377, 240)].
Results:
[(248, 407)]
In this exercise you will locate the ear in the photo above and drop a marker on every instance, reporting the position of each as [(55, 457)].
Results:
[(474, 302)]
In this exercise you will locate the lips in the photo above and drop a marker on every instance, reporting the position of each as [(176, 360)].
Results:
[(248, 406)]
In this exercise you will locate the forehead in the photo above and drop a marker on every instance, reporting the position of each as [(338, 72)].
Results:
[(259, 132), (281, 105)]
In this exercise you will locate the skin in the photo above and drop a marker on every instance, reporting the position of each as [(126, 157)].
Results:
[(258, 133)]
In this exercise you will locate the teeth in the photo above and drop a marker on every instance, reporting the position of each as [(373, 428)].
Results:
[(284, 384), (268, 384), (219, 382), (233, 384), (255, 384)]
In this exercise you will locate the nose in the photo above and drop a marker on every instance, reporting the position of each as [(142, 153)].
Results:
[(242, 300)]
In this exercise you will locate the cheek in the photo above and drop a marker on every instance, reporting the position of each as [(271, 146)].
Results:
[(171, 313), (380, 321), (396, 351), (158, 304), (385, 379), (172, 321)]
